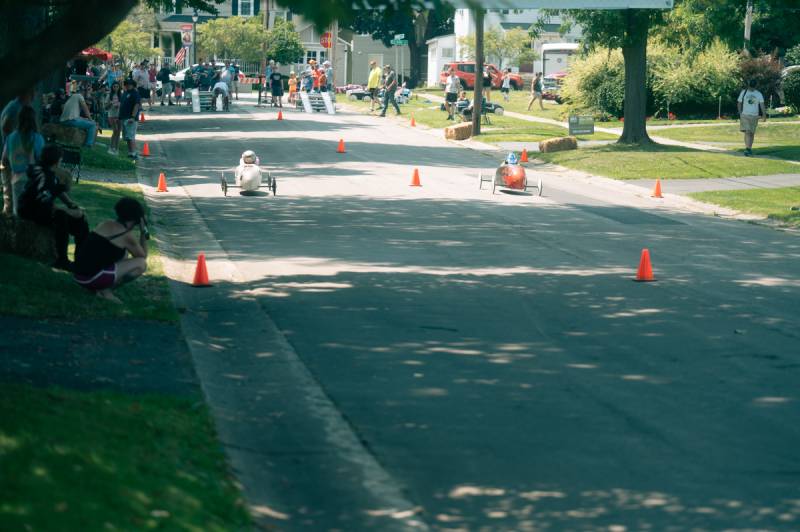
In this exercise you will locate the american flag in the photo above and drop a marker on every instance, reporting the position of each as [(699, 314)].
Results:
[(180, 56)]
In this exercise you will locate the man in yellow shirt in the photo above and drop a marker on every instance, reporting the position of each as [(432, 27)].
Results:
[(373, 83)]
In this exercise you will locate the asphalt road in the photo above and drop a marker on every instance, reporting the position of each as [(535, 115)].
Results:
[(491, 354)]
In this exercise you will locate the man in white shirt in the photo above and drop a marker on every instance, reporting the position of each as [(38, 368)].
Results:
[(71, 116), (451, 87), (751, 106)]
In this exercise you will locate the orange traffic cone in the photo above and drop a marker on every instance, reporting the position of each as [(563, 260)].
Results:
[(657, 190), (162, 183), (146, 150), (280, 115), (200, 272), (413, 122), (141, 117), (524, 157), (415, 179), (645, 273), (340, 149)]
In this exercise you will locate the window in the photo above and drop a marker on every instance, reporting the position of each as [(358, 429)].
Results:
[(317, 55), (468, 68), (447, 53), (246, 7)]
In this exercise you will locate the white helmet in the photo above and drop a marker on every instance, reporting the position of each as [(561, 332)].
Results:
[(249, 157)]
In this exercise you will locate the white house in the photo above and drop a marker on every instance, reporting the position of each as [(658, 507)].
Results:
[(507, 19), (441, 50)]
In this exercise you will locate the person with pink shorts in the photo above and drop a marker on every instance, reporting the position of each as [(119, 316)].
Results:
[(103, 262)]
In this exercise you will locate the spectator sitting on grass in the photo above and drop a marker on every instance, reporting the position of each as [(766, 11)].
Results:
[(37, 204), (102, 263), (23, 147)]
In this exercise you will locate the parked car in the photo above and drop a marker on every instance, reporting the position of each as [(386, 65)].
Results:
[(466, 71), (551, 85), (181, 74)]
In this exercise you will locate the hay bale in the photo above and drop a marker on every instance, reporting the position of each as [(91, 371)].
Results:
[(459, 131), (558, 144), (71, 136), (27, 239)]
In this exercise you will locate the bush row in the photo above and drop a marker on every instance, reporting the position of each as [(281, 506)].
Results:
[(676, 82)]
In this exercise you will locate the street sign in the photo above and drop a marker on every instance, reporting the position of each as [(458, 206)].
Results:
[(400, 36), (326, 39), (186, 27), (581, 125), (399, 42)]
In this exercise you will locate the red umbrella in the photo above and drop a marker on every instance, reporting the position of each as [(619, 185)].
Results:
[(97, 53)]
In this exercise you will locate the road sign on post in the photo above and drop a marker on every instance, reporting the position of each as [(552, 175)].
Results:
[(399, 42), (326, 40)]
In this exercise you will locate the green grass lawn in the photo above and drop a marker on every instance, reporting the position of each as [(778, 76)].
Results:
[(502, 129), (98, 157), (105, 461), (779, 139), (774, 203), (665, 162), (35, 290), (518, 103)]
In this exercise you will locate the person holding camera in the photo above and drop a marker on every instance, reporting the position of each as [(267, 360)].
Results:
[(113, 254), (47, 183)]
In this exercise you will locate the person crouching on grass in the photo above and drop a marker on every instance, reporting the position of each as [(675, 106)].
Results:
[(102, 263)]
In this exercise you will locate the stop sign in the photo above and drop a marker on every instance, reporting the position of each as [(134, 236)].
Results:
[(325, 39)]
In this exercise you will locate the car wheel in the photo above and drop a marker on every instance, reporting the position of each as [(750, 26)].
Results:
[(499, 111), (516, 86)]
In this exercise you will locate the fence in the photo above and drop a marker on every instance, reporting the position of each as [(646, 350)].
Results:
[(249, 68)]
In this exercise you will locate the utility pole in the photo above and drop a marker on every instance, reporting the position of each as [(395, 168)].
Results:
[(265, 15), (477, 105), (748, 23)]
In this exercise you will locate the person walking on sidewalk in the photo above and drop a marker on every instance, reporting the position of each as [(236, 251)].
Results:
[(373, 82), (389, 88), (451, 87), (751, 106), (537, 92)]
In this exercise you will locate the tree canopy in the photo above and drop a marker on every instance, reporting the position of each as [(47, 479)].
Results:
[(242, 38), (283, 43), (129, 43), (38, 37), (513, 45)]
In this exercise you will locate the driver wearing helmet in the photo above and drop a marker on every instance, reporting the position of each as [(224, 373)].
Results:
[(248, 173)]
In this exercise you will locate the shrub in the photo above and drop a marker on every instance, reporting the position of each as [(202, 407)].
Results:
[(791, 91), (596, 83), (676, 82), (765, 69), (792, 56)]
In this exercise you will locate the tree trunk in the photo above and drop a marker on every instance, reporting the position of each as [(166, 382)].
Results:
[(634, 52), (415, 74), (478, 99)]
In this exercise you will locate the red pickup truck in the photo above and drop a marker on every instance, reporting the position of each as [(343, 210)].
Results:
[(466, 71)]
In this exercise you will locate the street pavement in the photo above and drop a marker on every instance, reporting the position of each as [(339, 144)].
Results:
[(386, 357)]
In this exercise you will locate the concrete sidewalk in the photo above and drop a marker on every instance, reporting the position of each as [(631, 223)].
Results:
[(687, 186)]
